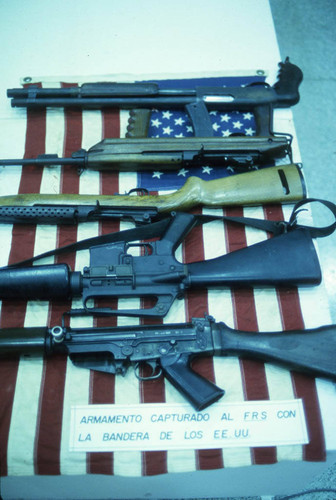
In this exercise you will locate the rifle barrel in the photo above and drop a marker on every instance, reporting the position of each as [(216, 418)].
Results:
[(42, 161), (103, 102), (94, 90)]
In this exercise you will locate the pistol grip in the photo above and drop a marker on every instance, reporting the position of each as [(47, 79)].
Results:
[(199, 391)]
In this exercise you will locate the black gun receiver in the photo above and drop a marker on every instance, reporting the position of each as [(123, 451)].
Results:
[(142, 97)]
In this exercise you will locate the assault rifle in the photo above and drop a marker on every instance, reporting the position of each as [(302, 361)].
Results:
[(260, 98), (289, 258), (169, 349), (270, 185), (241, 153)]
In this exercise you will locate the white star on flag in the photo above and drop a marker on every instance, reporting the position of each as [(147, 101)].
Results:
[(179, 121), (206, 170), (167, 130), (156, 123), (167, 114), (225, 118), (237, 124), (157, 174), (183, 172)]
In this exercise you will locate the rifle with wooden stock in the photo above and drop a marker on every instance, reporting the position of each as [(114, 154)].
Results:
[(269, 185), (237, 152)]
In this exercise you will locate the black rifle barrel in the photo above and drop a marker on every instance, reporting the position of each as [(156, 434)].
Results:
[(44, 161), (109, 89)]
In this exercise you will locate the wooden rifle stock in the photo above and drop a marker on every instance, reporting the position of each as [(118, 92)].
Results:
[(269, 185)]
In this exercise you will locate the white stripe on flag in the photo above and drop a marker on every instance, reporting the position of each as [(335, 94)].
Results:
[(76, 392), (21, 440)]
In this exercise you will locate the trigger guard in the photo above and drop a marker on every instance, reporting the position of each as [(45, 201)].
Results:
[(154, 366)]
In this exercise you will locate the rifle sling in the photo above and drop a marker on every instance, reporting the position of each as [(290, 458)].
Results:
[(156, 229)]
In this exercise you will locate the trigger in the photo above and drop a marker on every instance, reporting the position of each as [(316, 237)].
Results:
[(156, 371)]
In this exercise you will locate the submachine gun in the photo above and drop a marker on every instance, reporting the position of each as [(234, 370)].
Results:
[(140, 98)]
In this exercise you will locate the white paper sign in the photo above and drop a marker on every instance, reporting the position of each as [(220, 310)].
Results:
[(176, 426)]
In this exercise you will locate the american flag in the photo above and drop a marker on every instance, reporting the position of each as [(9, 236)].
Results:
[(36, 394)]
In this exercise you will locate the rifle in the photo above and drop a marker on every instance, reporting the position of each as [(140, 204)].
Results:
[(169, 349), (115, 273), (270, 185), (141, 97), (241, 153)]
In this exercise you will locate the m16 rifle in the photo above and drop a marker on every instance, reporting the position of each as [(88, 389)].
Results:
[(289, 258)]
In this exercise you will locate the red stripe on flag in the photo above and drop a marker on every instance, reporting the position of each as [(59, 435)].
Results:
[(101, 392), (152, 391), (305, 389), (197, 306), (48, 435), (304, 386), (102, 385), (22, 247), (73, 142), (8, 374), (48, 438), (111, 123), (253, 372)]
